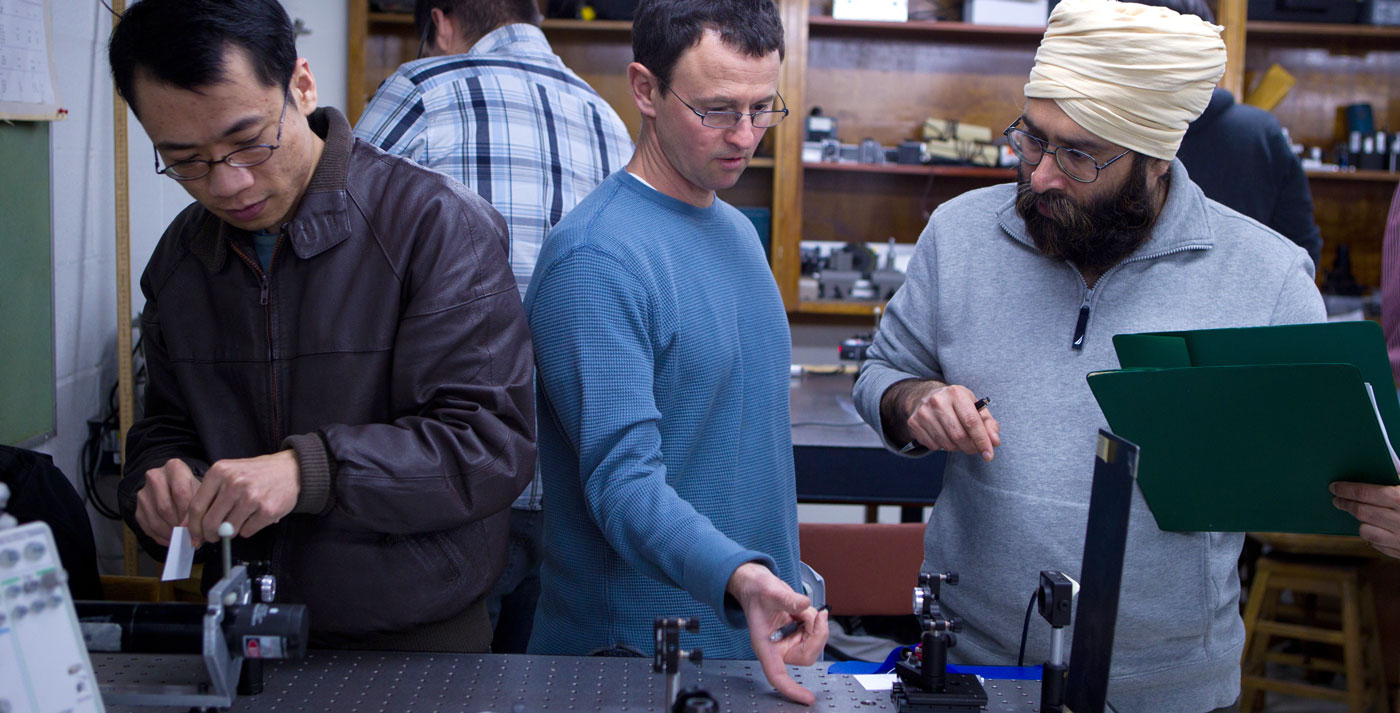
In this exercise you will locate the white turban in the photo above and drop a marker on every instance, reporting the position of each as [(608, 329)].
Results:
[(1131, 74)]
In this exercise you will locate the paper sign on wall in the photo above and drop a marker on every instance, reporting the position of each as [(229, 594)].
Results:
[(28, 86)]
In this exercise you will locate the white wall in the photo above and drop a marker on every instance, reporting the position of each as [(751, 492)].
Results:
[(325, 46), (84, 260)]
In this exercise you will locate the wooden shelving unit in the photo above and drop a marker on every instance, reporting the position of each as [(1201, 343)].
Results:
[(1376, 176), (380, 41), (1285, 31), (599, 26), (827, 25), (881, 80), (391, 18), (986, 172), (842, 308), (1335, 65), (405, 18)]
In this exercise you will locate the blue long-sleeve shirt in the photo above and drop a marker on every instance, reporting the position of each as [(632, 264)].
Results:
[(665, 445)]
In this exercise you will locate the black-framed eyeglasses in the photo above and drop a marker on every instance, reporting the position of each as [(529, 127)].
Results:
[(729, 119), (246, 157), (1074, 163)]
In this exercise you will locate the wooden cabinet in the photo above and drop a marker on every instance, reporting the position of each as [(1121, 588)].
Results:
[(881, 80)]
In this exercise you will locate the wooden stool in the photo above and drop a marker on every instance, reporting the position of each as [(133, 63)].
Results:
[(1320, 566)]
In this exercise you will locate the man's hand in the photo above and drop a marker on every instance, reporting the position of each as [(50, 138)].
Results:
[(769, 603), (946, 419), (1378, 509), (162, 502), (250, 493)]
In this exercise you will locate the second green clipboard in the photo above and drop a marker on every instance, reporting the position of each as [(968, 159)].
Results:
[(1247, 448)]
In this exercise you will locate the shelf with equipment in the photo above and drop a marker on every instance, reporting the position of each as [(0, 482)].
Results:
[(1335, 65), (1370, 176), (905, 72), (840, 308), (824, 25), (1295, 31), (598, 51), (381, 41), (950, 170), (902, 74)]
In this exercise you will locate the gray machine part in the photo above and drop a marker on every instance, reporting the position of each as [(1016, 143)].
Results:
[(813, 585), (219, 678), (844, 267), (470, 683), (886, 283)]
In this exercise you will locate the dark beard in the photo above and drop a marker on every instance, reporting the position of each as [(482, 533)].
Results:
[(1095, 237)]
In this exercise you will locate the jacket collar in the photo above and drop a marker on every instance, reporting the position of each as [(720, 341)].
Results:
[(322, 218), (1182, 222), (520, 39)]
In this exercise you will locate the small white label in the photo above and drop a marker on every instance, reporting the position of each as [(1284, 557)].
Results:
[(883, 10)]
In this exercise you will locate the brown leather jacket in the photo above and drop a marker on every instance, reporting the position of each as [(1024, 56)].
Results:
[(386, 344)]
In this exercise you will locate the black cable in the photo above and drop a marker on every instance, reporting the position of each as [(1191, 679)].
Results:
[(94, 497), (92, 451), (92, 464), (1110, 705), (1025, 629)]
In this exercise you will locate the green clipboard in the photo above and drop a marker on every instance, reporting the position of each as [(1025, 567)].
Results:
[(1360, 343), (1235, 438)]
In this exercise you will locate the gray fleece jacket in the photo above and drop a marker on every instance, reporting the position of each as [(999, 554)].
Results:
[(983, 308)]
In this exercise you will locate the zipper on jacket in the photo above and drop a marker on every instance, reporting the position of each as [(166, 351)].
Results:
[(1081, 325), (271, 362), (264, 289)]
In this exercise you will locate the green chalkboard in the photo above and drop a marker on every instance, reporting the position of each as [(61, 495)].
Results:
[(26, 284)]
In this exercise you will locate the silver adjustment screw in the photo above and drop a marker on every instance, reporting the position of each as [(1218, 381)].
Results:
[(267, 588)]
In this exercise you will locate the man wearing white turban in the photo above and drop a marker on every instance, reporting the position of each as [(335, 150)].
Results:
[(1015, 292)]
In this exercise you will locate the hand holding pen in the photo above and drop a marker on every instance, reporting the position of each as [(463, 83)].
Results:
[(948, 419), (979, 405)]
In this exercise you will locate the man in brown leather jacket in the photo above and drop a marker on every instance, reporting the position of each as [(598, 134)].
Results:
[(339, 364)]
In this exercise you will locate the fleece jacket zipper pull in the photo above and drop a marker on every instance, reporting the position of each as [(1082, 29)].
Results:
[(1080, 327)]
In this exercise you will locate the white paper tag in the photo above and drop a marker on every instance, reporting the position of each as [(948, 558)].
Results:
[(1371, 394), (876, 681), (180, 556)]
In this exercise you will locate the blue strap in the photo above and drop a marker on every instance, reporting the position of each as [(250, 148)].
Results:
[(1001, 673)]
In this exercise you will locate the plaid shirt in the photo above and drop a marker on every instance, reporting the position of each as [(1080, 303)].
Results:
[(514, 124)]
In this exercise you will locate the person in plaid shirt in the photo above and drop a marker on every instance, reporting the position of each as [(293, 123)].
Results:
[(491, 105)]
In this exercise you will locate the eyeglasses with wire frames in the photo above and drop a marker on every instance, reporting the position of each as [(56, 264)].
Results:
[(246, 157), (1074, 163), (766, 119)]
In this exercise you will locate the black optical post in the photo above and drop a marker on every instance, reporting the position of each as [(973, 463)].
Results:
[(1055, 601), (924, 684)]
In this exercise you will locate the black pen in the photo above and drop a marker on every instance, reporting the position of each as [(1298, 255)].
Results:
[(790, 627), (979, 405)]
